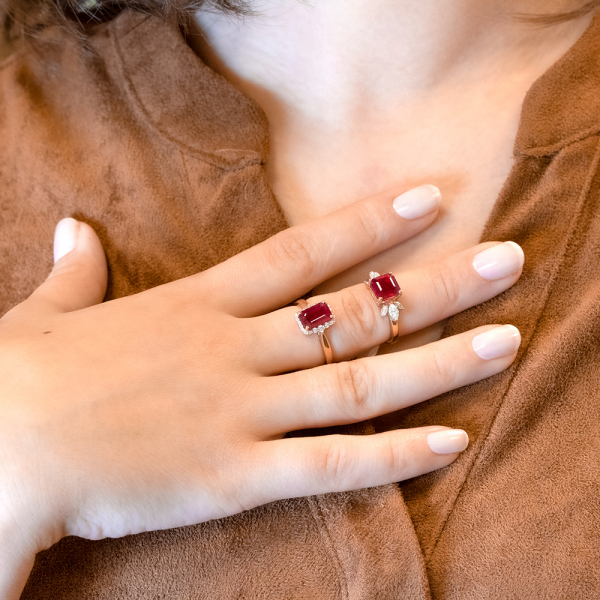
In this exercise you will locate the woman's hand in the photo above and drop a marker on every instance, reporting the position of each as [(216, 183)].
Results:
[(168, 408)]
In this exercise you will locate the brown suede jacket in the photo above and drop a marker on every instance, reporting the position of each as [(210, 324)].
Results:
[(129, 131)]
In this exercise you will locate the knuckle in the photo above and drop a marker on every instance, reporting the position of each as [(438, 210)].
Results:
[(82, 273), (355, 389), (369, 221), (445, 283), (295, 249), (335, 463), (443, 368), (396, 460), (362, 317), (70, 267)]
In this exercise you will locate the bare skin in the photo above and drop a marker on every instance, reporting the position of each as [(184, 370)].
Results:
[(388, 92), (217, 442), (188, 424)]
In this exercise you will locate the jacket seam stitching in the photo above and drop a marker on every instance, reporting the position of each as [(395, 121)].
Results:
[(539, 151), (582, 202), (207, 157), (324, 532)]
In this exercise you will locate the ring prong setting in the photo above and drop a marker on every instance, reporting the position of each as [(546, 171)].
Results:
[(385, 291)]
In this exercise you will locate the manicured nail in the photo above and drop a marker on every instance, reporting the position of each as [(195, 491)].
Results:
[(65, 237), (499, 261), (448, 441), (497, 342), (417, 202)]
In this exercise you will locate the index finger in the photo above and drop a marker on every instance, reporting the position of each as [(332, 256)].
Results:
[(292, 262)]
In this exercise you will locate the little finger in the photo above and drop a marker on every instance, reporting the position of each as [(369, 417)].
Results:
[(297, 467)]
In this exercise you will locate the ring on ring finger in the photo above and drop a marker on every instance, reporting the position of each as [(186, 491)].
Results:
[(316, 319)]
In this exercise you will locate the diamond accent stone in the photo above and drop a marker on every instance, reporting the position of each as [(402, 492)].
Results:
[(384, 310), (373, 274), (394, 312)]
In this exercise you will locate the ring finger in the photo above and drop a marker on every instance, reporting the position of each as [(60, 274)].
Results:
[(353, 391), (429, 295)]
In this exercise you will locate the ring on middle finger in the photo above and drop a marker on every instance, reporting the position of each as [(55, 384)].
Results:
[(386, 291)]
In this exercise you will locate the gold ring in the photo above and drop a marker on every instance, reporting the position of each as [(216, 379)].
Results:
[(386, 291), (316, 319)]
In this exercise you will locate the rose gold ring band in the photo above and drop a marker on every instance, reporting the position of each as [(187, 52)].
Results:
[(394, 330), (316, 318)]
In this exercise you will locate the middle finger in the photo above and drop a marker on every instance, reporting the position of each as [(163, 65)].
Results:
[(429, 295)]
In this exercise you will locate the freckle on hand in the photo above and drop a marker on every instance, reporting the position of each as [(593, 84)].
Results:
[(47, 332)]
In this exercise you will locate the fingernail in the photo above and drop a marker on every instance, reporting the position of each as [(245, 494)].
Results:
[(65, 237), (497, 342), (448, 441), (417, 202), (499, 261)]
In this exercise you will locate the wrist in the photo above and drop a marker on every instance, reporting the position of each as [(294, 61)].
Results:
[(21, 538), (17, 555), (29, 513)]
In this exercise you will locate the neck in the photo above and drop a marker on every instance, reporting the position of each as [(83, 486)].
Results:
[(329, 62), (384, 92)]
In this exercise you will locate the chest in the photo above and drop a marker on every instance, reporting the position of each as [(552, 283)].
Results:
[(468, 157)]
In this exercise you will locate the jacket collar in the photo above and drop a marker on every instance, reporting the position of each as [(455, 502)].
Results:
[(200, 110), (563, 105), (186, 101)]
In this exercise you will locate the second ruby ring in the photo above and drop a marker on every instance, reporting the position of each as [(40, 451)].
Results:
[(386, 291)]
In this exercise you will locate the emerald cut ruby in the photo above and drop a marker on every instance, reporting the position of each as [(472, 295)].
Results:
[(384, 287), (313, 317)]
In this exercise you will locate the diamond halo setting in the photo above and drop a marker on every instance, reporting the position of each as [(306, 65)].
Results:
[(315, 319)]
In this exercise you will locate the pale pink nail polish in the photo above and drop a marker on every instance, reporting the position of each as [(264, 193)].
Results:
[(65, 237), (497, 342), (448, 441), (499, 261), (417, 202)]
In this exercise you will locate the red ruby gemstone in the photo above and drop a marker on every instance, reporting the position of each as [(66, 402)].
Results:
[(385, 287), (315, 315)]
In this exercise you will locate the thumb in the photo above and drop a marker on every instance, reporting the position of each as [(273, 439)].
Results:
[(78, 279)]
